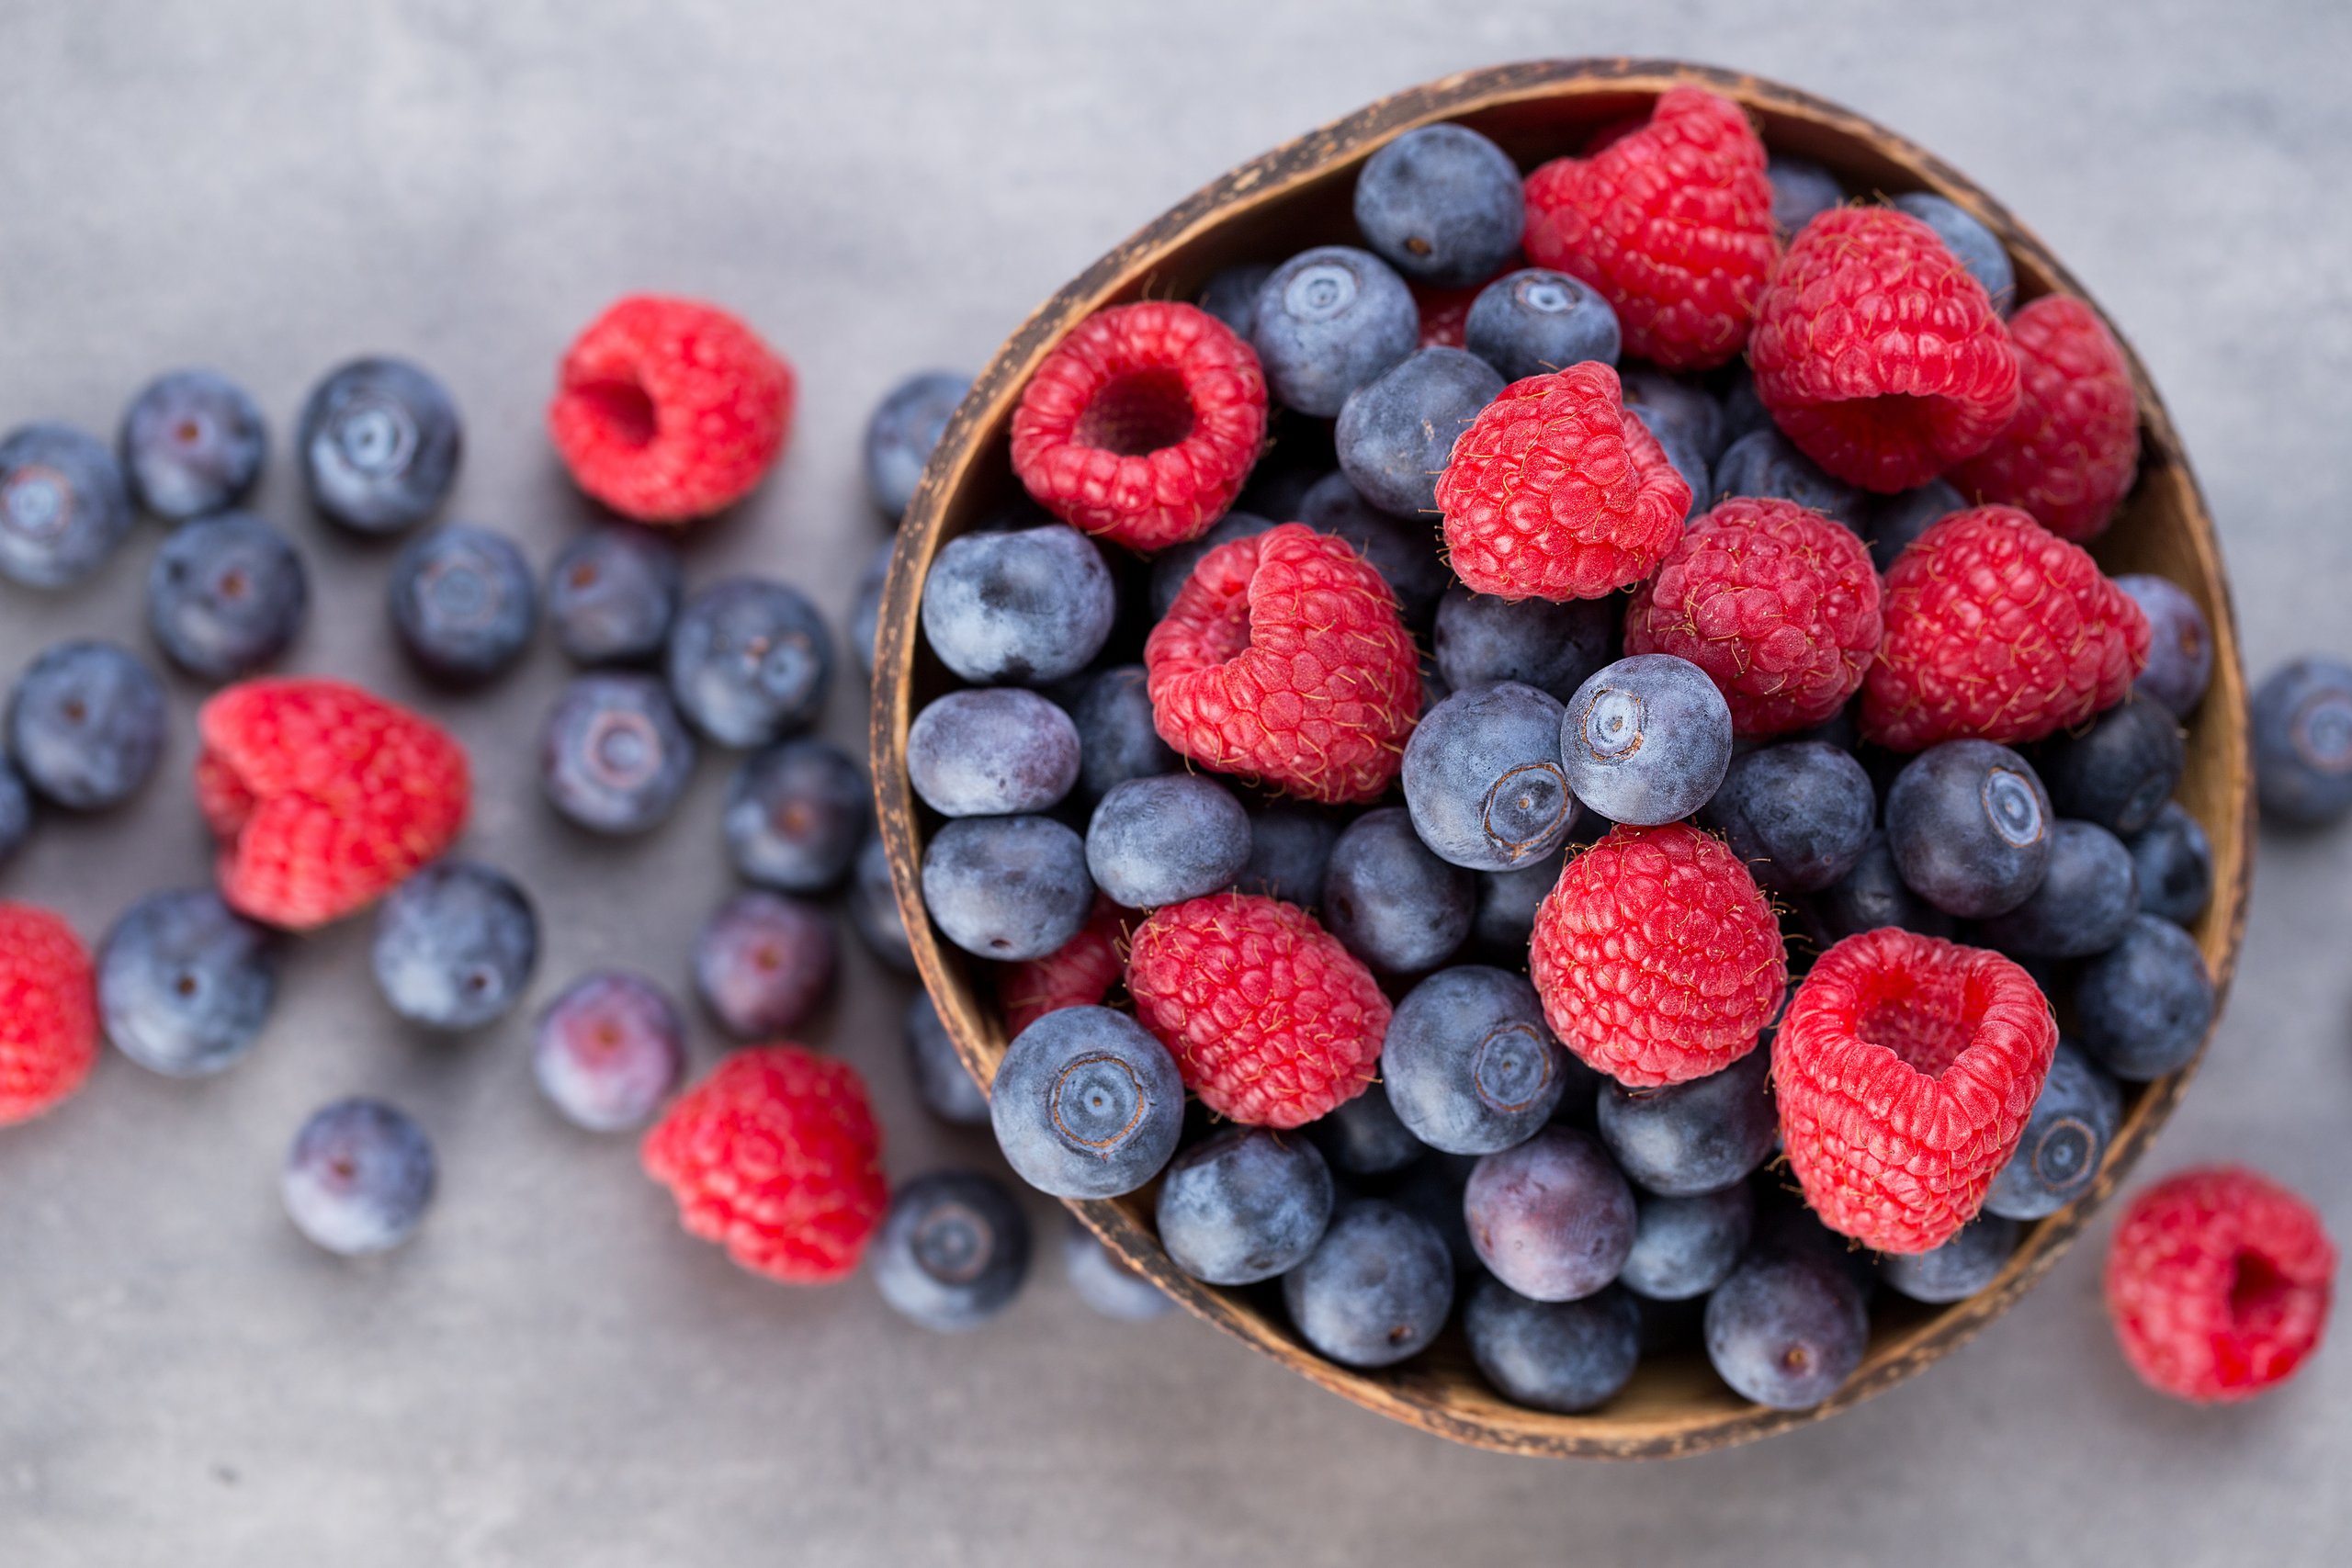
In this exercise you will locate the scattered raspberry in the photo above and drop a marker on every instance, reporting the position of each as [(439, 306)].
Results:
[(1877, 353), (669, 410), (1283, 661), (2219, 1283), (1658, 956), (1271, 1020), (324, 797), (1556, 492), (1778, 604), (776, 1156), (2000, 630), (1905, 1070), (1671, 220), (1143, 424), (1079, 974), (49, 1012), (2070, 455)]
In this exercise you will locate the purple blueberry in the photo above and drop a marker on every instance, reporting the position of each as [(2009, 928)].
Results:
[(1403, 552), (1392, 902), (1956, 1271), (749, 661), (1892, 522), (64, 505), (1290, 850), (992, 751), (2086, 897), (1442, 205), (2143, 1006), (1802, 191), (1969, 825), (1553, 648), (1700, 1135), (380, 443), (796, 815), (613, 596), (2173, 861), (2303, 742), (763, 962), (953, 1251), (1683, 1247), (1971, 242), (193, 441), (1166, 839), (1551, 1217), (1562, 1356), (1328, 321), (608, 1050), (2181, 643), (1647, 739), (945, 1089), (86, 726), (2121, 771), (904, 431), (1764, 462), (1483, 779), (1787, 1329), (2066, 1139), (464, 602), (1244, 1204), (1085, 1104), (1533, 321), (1377, 1289), (455, 945), (615, 757), (226, 596), (1799, 814), (185, 983), (358, 1178), (1469, 1065), (1023, 606), (1396, 432)]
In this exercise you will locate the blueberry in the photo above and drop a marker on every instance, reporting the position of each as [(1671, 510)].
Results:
[(953, 1251), (2121, 771), (1328, 321), (2302, 742), (1377, 1289), (1508, 901), (1892, 522), (763, 962), (904, 430), (1105, 1281), (1685, 461), (64, 506), (192, 441), (1007, 887), (16, 809), (1683, 1247), (1873, 894), (1531, 321), (865, 610), (1971, 242), (749, 661), (380, 444), (185, 983), (1481, 638), (615, 757), (874, 907), (796, 815), (1364, 1139), (946, 1090), (1802, 191), (1562, 1356), (1701, 1135), (1232, 295), (1956, 1271), (1431, 1190), (1085, 1104), (1243, 1205), (226, 596), (1025, 606), (1392, 902), (1404, 553), (1969, 824), (1647, 739), (2181, 643), (1674, 408), (1469, 1065), (2143, 1005), (1396, 432), (464, 604), (1166, 839), (2174, 861), (1787, 1329), (1172, 568), (1744, 411), (1442, 205), (611, 596), (86, 725), (455, 945), (608, 1051), (1799, 814), (1289, 850), (1551, 1217), (1482, 780), (2086, 897), (2066, 1139), (991, 753), (1763, 462), (358, 1177)]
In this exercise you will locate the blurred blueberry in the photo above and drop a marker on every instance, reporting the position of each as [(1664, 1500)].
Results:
[(1442, 205), (358, 1178), (1802, 191), (2088, 894), (2066, 1139), (2173, 861), (1891, 521), (953, 1251), (615, 757), (1956, 1271), (185, 983), (865, 610), (1244, 1204), (2302, 742), (464, 602), (763, 962), (2144, 1006), (1561, 1356), (455, 945), (1104, 1283), (193, 441), (749, 661), (380, 444), (1231, 295), (946, 1090), (613, 596), (64, 505), (226, 594), (608, 1050), (874, 907), (2181, 643), (903, 432), (86, 725), (1683, 1247), (796, 815)]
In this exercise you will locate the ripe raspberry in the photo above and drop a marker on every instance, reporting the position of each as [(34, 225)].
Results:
[(1271, 1020), (1658, 956), (1877, 353), (324, 797), (669, 410), (1671, 220), (1997, 629), (1445, 313), (2219, 1282), (1283, 661), (1778, 604), (1079, 974), (1142, 425), (49, 1012), (1905, 1070), (2070, 455), (1556, 492), (776, 1156)]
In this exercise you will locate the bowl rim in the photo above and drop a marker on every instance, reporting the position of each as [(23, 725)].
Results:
[(968, 441)]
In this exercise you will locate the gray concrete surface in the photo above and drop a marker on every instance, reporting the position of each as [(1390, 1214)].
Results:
[(553, 1373)]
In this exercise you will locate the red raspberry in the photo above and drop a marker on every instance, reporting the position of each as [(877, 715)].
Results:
[(1143, 424), (669, 410), (1778, 604), (776, 1156), (1672, 222), (1079, 974), (1905, 1070), (2000, 630), (2070, 455), (49, 1012), (1658, 956), (1283, 661), (1445, 313), (324, 797), (1271, 1020), (1556, 492), (1878, 354), (2219, 1283)]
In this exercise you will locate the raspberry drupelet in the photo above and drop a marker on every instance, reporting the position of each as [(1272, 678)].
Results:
[(49, 1012), (1079, 974), (2070, 454)]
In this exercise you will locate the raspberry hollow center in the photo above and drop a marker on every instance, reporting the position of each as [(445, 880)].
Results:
[(1922, 1031), (2258, 1291), (622, 411), (1136, 413)]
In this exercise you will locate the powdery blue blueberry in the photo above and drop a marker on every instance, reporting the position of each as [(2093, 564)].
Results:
[(1165, 838), (358, 1178), (1508, 901), (455, 945), (1007, 887), (1672, 406), (763, 962), (1873, 894), (1553, 648), (1390, 900), (1118, 740), (185, 983), (945, 1089), (749, 661), (1973, 245), (1683, 1247), (874, 907), (1377, 1289), (953, 1251), (1483, 778), (992, 751), (1396, 432), (1891, 521), (2143, 1006), (2119, 772), (1244, 1204), (193, 441), (1647, 739), (904, 431), (1469, 1065), (2181, 643), (1104, 1283), (2066, 1139), (464, 602), (1404, 553), (2303, 742), (86, 725), (1561, 1356), (1787, 1329), (1025, 606), (2086, 897), (1363, 1138), (1328, 321), (1172, 568), (1802, 191), (1799, 814), (613, 596), (608, 1051), (1442, 204), (1971, 1260), (615, 757), (1701, 1135), (1533, 321), (226, 594), (380, 444), (1763, 462), (64, 505), (1085, 1104), (1968, 826), (1231, 295), (2174, 863), (796, 815), (1290, 850), (1551, 1217)]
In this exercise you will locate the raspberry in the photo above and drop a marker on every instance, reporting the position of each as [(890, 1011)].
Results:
[(1658, 956), (1283, 661), (1905, 1070), (1877, 353), (1556, 492), (1778, 604), (669, 410), (49, 1012), (776, 1156), (1271, 1020), (1671, 220), (2219, 1283), (1142, 425), (2074, 449), (1079, 974), (1996, 629), (1445, 313), (324, 797)]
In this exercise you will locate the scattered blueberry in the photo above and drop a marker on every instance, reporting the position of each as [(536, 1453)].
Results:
[(1442, 205), (1165, 838), (226, 594), (16, 811), (1289, 850), (904, 431), (1392, 902), (1891, 521), (1971, 1260), (1232, 295), (946, 1090), (2121, 771), (1377, 1289), (615, 756), (1363, 1138), (749, 661), (1701, 1135), (953, 1251), (1023, 606), (763, 962), (1873, 895), (1245, 1204), (1085, 1104), (1482, 780), (1647, 739), (1469, 1065), (612, 595), (1531, 321), (796, 815), (1802, 191), (1677, 409), (1007, 887), (865, 610), (2142, 1006), (1328, 321), (1553, 648), (1508, 901), (358, 1177), (455, 945), (185, 983), (1172, 568), (86, 725), (1551, 1217), (193, 441), (1787, 1329), (1800, 814), (1104, 1283), (1683, 1247), (1404, 553), (1564, 1356), (608, 1051), (2302, 742), (874, 907), (2086, 897), (992, 751), (1969, 824), (2175, 864), (1763, 462), (2065, 1141), (1396, 430), (2181, 643), (380, 444), (463, 602), (1973, 245), (64, 506)]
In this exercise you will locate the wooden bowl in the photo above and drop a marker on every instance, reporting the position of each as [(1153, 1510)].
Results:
[(1298, 196)]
